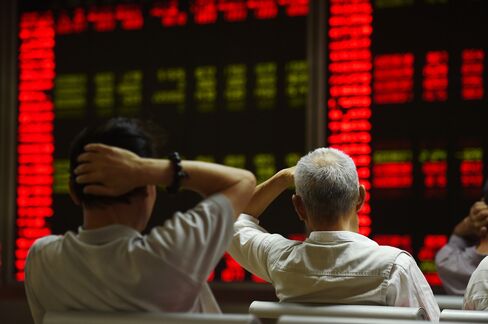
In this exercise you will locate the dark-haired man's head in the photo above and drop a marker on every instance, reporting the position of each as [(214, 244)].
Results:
[(129, 134)]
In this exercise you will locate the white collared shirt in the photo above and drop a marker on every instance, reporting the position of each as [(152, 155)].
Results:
[(332, 267), (115, 268), (476, 296)]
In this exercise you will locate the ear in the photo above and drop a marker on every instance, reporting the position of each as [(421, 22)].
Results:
[(299, 207), (361, 198), (72, 194)]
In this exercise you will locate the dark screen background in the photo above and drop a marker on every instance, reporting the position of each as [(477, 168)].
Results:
[(230, 92), (234, 92)]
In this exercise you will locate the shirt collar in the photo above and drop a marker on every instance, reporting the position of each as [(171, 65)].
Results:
[(338, 236), (106, 234)]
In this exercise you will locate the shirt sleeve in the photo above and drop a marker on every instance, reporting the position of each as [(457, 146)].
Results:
[(455, 263), (476, 297), (252, 246), (195, 241), (37, 311), (480, 304), (407, 287)]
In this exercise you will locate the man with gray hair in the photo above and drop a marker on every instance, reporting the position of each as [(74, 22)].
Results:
[(334, 264)]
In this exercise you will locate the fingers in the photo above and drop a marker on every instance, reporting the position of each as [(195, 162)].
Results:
[(86, 157), (479, 205), (84, 168), (94, 184), (478, 219), (479, 212), (97, 147), (89, 178), (98, 190), (481, 219), (91, 151)]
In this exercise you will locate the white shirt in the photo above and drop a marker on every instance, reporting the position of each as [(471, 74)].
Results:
[(476, 296), (332, 267), (115, 268)]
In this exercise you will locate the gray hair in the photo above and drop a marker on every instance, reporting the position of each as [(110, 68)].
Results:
[(327, 181)]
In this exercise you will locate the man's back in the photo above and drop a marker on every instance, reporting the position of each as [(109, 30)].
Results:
[(116, 268), (337, 267), (333, 267)]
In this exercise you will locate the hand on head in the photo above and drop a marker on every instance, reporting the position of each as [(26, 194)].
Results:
[(108, 171), (475, 225), (288, 176), (478, 217)]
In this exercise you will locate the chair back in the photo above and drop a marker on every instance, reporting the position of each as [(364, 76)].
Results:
[(73, 317), (449, 301), (263, 309), (292, 319), (466, 316)]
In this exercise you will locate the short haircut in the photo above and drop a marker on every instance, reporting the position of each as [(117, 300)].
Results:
[(126, 133), (327, 181)]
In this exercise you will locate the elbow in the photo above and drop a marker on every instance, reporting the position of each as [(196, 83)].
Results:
[(440, 257), (248, 181), (250, 178)]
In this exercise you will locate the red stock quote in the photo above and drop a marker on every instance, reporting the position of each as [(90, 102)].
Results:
[(228, 82)]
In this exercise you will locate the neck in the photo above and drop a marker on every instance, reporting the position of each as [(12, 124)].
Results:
[(345, 223), (482, 248), (97, 217)]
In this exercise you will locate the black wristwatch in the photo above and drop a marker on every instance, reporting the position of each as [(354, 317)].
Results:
[(178, 173)]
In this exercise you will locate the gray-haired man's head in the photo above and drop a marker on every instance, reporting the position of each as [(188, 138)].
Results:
[(327, 182)]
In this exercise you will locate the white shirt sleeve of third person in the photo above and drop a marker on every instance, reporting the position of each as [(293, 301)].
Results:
[(476, 297), (408, 287), (253, 247)]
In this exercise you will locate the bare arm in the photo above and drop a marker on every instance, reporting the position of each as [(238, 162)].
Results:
[(112, 171), (266, 192)]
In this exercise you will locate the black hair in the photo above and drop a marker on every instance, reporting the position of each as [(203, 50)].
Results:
[(130, 134)]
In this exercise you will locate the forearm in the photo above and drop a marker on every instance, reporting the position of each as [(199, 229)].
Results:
[(112, 171), (265, 194), (208, 178), (205, 178), (155, 172), (463, 229)]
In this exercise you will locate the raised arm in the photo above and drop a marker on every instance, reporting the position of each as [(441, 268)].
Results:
[(266, 192), (111, 171), (251, 243), (457, 260), (475, 224)]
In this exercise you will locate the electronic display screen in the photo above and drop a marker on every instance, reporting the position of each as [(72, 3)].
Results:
[(226, 80), (405, 85)]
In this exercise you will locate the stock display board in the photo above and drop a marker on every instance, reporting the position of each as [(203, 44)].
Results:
[(406, 87), (226, 80)]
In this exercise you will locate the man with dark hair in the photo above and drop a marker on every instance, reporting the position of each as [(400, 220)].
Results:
[(130, 134), (108, 265), (458, 259), (334, 264)]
